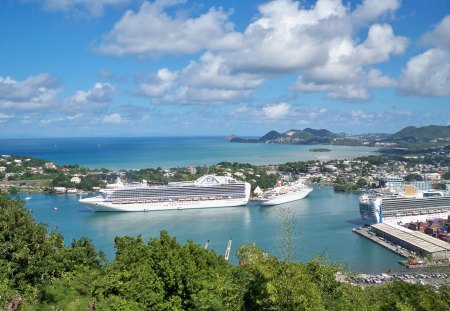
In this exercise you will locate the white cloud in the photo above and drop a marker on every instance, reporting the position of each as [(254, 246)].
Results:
[(370, 118), (371, 10), (96, 98), (151, 31), (74, 117), (57, 119), (277, 111), (157, 85), (379, 45), (52, 120), (6, 116), (205, 81), (440, 36), (79, 8), (317, 42), (115, 118), (376, 79), (427, 74), (238, 112), (33, 93)]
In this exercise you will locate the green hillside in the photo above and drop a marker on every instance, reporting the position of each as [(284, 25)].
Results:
[(425, 132)]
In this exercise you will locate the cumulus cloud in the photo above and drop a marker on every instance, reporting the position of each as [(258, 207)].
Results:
[(33, 93), (207, 80), (317, 42), (37, 100), (115, 118), (277, 111), (427, 74), (79, 8), (157, 85), (370, 10), (96, 98), (440, 36), (151, 31)]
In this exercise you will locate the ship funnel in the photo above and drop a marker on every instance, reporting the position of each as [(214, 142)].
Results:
[(410, 191)]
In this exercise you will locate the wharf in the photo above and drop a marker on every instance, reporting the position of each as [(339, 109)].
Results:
[(364, 232)]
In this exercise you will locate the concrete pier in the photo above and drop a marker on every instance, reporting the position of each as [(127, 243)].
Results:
[(382, 242)]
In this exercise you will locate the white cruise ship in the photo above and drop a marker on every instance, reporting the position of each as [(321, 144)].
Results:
[(206, 192), (405, 206), (287, 192)]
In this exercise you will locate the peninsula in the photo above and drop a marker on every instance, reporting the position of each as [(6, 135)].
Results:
[(409, 137)]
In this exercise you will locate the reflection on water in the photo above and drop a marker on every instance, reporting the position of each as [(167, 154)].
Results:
[(324, 222)]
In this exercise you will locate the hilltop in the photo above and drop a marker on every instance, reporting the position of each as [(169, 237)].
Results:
[(425, 132)]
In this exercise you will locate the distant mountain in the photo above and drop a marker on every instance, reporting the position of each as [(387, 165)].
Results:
[(321, 132), (272, 135), (409, 135), (425, 132)]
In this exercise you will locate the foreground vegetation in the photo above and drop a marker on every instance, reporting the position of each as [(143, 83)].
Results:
[(38, 271)]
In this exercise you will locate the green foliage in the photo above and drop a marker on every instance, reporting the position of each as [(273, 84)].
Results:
[(165, 275), (274, 285), (90, 181), (30, 257), (25, 252), (62, 180)]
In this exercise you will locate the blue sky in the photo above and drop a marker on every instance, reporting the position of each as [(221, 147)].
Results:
[(179, 67)]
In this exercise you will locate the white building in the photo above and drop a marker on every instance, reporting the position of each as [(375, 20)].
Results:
[(75, 180), (432, 176)]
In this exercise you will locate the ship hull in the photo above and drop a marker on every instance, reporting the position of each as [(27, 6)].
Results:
[(105, 206)]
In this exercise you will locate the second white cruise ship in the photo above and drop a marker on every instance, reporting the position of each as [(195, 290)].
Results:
[(205, 192), (287, 192)]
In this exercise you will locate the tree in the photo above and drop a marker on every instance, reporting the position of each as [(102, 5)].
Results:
[(165, 275), (361, 183)]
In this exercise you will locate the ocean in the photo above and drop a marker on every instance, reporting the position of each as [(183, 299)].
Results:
[(167, 152)]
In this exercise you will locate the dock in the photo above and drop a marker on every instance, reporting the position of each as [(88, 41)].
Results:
[(409, 244), (365, 232), (415, 241)]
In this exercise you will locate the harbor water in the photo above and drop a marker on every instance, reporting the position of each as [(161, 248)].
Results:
[(323, 226)]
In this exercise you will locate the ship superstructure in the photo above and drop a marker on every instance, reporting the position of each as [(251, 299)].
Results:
[(206, 192), (405, 206)]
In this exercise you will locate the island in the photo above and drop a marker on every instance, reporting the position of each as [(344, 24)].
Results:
[(319, 150)]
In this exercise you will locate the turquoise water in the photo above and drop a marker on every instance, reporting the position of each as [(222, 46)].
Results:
[(167, 152), (324, 222)]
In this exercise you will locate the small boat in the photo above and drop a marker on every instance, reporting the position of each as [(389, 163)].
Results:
[(28, 198)]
